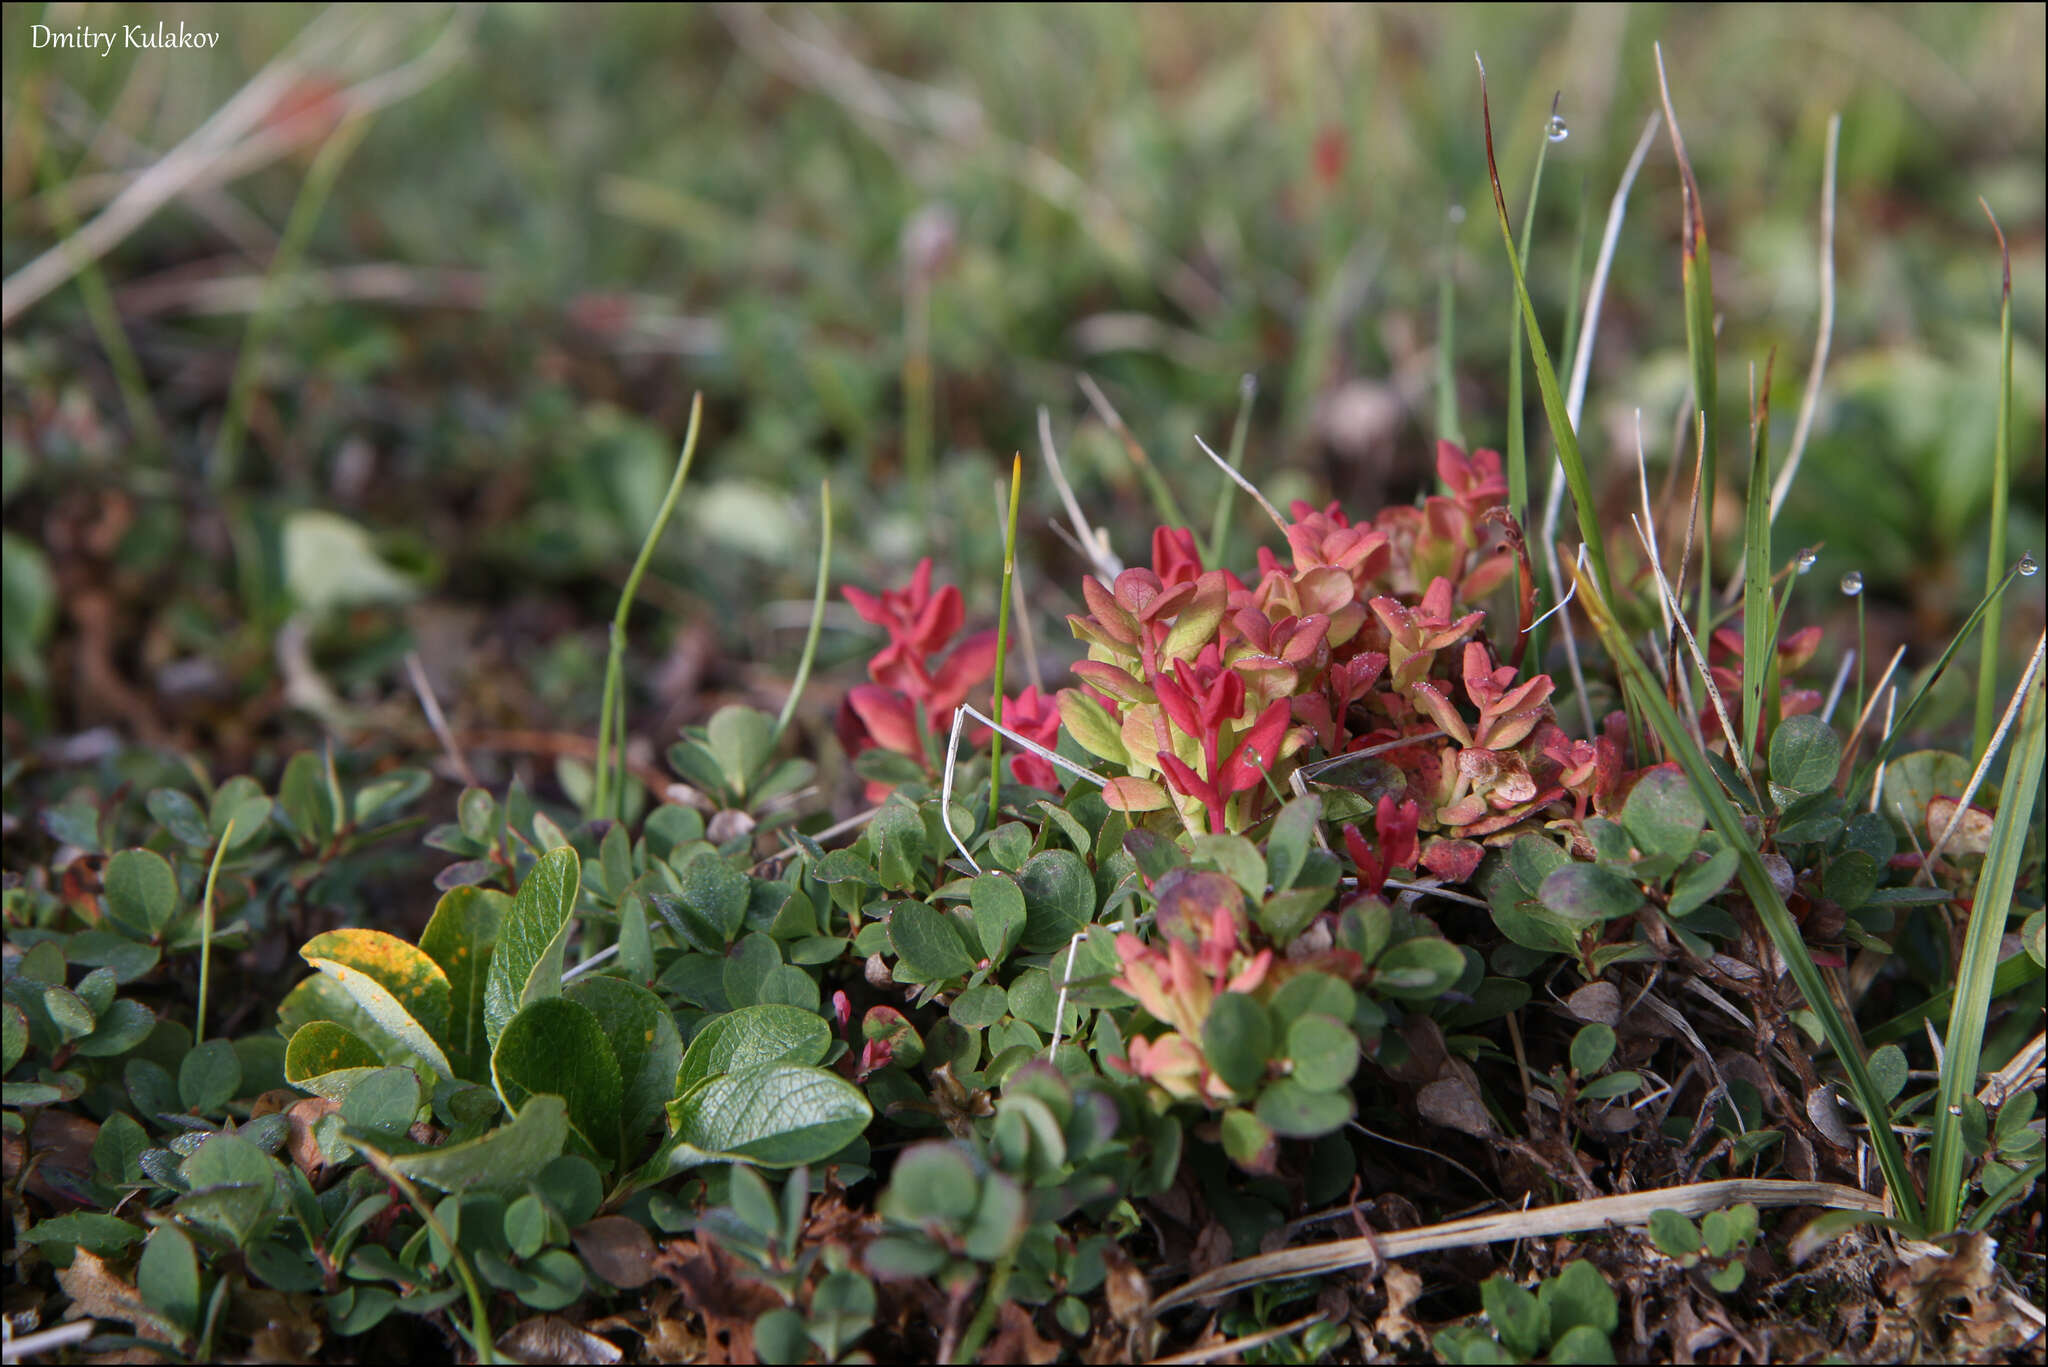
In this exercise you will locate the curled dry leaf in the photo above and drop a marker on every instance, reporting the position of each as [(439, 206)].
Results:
[(1017, 1339), (617, 1249), (1404, 1288), (1452, 1101), (550, 1338), (304, 1148), (97, 1293), (1596, 1002)]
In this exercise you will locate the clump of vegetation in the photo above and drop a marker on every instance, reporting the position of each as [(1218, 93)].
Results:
[(1303, 906)]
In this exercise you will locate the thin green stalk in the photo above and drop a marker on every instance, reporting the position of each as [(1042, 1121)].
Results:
[(803, 665), (1446, 351), (479, 1318), (298, 231), (1561, 433), (206, 930), (1518, 443), (1757, 651), (99, 303), (1571, 307), (1226, 497), (1698, 278), (602, 798), (1642, 684), (985, 1314), (2012, 974), (1974, 980), (1862, 648), (995, 745), (2001, 481)]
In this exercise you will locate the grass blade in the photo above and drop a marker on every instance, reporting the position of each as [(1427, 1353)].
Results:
[(1446, 350), (2001, 479), (1758, 646), (1974, 979), (1518, 445), (803, 664), (1561, 432), (611, 716), (1698, 278), (1640, 682), (995, 745), (1219, 521)]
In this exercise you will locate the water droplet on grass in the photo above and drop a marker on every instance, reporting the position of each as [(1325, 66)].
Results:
[(1557, 130), (1807, 559), (1456, 213), (2028, 567), (1852, 583), (1955, 1110)]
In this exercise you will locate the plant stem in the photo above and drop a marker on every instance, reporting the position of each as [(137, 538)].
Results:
[(995, 745), (1219, 522), (1518, 445), (479, 1318), (803, 665), (985, 1314), (206, 931), (601, 803), (917, 395)]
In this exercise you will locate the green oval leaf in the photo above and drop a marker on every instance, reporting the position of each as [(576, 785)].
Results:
[(751, 1036), (1589, 892), (556, 1046), (410, 976), (927, 944), (526, 964), (141, 892), (1805, 754), (460, 938), (319, 1048), (505, 1157), (1237, 1037), (1059, 899), (645, 1043), (999, 915), (777, 1115), (1663, 814)]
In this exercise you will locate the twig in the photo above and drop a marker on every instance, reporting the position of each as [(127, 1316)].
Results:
[(1094, 544), (432, 707), (1570, 1218), (1241, 482), (47, 1340)]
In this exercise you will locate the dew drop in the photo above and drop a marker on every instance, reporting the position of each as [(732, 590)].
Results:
[(1557, 130), (2028, 567), (1955, 1110), (1852, 583), (1248, 385), (1456, 213), (1807, 559)]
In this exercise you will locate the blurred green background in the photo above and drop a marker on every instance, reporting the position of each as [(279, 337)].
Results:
[(465, 345)]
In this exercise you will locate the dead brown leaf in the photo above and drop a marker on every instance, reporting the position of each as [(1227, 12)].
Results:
[(1017, 1339), (97, 1293), (1403, 1288), (617, 1249), (552, 1339), (728, 1304)]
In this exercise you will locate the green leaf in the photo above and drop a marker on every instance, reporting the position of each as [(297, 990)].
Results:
[(748, 967), (506, 1157), (1727, 1231), (897, 838), (1088, 722), (750, 1037), (1612, 1085), (1237, 1037), (307, 801), (1591, 1048), (777, 1115), (382, 1104), (933, 1186), (180, 815), (1059, 899), (999, 915), (382, 974), (526, 964), (460, 938), (1285, 915), (233, 1187), (1418, 969), (1287, 845), (13, 1036), (740, 739), (1850, 879), (842, 1309), (1696, 883), (1579, 1295), (556, 1046), (127, 958), (104, 1234), (1673, 1234), (410, 977), (526, 1226), (1589, 893), (29, 593), (209, 1076), (1521, 1320), (715, 894), (1248, 1140), (240, 802), (979, 1007), (1324, 1051), (1300, 1112), (1805, 754), (645, 1043), (167, 1277), (927, 943), (68, 1012), (141, 892), (1662, 814), (998, 1221), (1582, 1343), (319, 1048), (1236, 856)]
